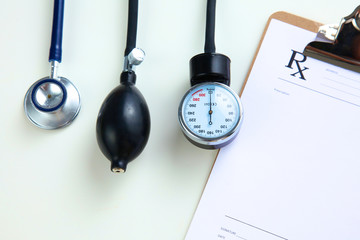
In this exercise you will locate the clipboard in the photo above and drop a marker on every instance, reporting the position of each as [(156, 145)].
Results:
[(228, 233), (339, 44), (285, 17), (289, 18)]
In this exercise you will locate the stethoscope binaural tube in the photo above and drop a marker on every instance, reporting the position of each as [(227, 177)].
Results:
[(123, 123), (53, 102)]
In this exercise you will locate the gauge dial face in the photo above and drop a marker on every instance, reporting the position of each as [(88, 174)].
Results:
[(210, 111)]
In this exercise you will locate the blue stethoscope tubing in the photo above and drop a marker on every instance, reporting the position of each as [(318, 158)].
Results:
[(57, 31)]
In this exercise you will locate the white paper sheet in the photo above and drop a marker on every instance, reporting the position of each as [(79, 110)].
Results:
[(294, 170)]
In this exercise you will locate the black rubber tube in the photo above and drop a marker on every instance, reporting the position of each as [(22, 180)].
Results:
[(132, 26), (210, 27)]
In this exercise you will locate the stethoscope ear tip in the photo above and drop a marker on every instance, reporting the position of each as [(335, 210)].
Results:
[(52, 103)]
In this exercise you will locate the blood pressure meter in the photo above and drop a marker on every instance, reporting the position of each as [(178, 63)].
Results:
[(210, 113)]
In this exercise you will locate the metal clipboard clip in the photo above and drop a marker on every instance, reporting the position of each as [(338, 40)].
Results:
[(338, 44)]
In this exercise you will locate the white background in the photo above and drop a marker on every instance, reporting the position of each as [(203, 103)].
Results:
[(57, 184)]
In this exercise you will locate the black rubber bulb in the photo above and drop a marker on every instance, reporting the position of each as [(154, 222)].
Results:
[(123, 123)]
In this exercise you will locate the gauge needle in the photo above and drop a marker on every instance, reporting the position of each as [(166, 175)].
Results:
[(210, 111)]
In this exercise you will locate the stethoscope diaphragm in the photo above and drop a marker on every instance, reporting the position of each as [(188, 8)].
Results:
[(52, 103)]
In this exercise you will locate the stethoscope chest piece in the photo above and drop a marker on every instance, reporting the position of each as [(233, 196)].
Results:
[(52, 103)]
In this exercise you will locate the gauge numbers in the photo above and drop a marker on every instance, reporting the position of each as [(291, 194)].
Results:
[(210, 111)]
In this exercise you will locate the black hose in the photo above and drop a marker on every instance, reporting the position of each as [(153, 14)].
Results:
[(132, 26), (210, 27)]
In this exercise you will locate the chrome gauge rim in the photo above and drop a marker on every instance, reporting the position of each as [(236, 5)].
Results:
[(205, 142)]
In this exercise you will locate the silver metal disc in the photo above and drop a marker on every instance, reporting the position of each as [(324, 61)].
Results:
[(48, 95), (52, 103)]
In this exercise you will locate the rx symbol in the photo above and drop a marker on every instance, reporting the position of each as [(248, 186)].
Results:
[(297, 58)]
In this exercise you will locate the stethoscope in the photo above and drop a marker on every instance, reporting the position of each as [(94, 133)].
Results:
[(53, 102), (210, 113), (123, 123)]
